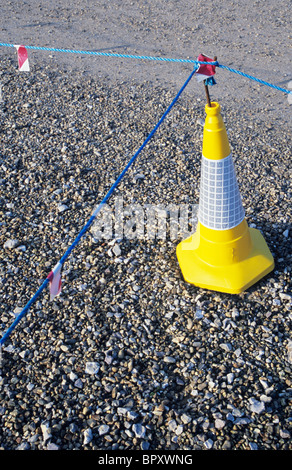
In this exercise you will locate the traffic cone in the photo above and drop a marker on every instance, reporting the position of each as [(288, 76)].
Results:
[(224, 254)]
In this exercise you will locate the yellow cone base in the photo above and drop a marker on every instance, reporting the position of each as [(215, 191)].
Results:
[(247, 260)]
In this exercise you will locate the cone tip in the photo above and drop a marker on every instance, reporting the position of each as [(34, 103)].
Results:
[(214, 109)]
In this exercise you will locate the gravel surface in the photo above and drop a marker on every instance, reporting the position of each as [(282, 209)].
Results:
[(129, 356)]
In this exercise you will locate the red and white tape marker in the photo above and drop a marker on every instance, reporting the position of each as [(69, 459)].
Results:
[(205, 70), (22, 59), (55, 281)]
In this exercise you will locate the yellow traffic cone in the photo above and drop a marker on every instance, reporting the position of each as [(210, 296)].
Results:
[(224, 254)]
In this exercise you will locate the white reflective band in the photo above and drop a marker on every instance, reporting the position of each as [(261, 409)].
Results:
[(220, 206)]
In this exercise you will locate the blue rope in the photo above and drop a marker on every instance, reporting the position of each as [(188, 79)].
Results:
[(95, 212), (254, 78), (162, 59), (110, 54)]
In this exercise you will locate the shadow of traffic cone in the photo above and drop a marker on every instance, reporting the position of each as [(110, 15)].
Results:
[(224, 254)]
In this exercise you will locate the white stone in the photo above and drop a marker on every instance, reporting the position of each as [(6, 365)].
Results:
[(284, 434), (169, 359), (265, 399), (139, 430), (52, 446), (219, 423), (11, 243), (237, 352), (129, 433), (172, 425), (17, 311), (179, 430), (62, 207), (284, 296), (200, 122), (186, 418), (21, 248), (46, 430), (209, 444), (92, 368), (256, 406), (230, 378), (226, 347), (264, 383), (87, 436), (73, 376), (103, 429), (116, 250), (139, 176), (108, 358), (122, 411)]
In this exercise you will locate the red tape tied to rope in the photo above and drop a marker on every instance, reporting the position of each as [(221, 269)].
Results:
[(205, 70), (22, 59)]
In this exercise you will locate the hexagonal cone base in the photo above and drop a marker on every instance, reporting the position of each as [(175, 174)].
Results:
[(230, 278)]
